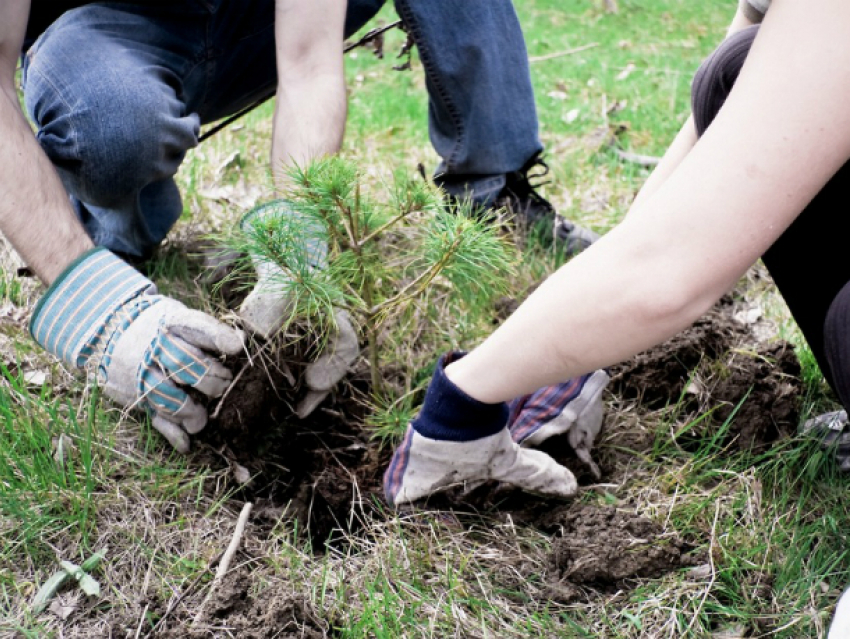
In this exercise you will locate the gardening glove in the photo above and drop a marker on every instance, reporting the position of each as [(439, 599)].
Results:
[(840, 628), (104, 317), (574, 407), (267, 307), (458, 441), (834, 434)]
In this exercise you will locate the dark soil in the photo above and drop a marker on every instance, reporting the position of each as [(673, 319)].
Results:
[(751, 391), (234, 611), (606, 549), (325, 471)]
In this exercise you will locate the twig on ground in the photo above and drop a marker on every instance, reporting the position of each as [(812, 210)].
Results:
[(711, 544), (180, 597), (218, 407), (637, 158), (224, 565), (371, 35), (561, 54)]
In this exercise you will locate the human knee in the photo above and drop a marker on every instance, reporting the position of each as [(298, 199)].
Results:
[(836, 337), (717, 74), (109, 135)]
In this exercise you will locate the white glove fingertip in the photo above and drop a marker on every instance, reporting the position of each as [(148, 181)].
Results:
[(264, 313), (192, 417), (215, 381), (203, 331), (175, 435), (310, 403), (548, 477)]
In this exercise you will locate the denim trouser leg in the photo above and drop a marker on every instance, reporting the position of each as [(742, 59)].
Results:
[(105, 90), (482, 115)]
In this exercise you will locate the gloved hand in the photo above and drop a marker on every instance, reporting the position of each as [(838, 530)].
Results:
[(834, 434), (574, 407), (840, 627), (458, 441), (268, 306), (101, 315)]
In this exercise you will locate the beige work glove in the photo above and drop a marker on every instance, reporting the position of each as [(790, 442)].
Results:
[(144, 349), (267, 308), (457, 441)]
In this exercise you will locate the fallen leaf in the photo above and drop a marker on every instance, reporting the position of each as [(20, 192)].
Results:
[(626, 72), (35, 378), (60, 610)]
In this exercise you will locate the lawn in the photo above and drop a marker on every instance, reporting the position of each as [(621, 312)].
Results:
[(694, 530)]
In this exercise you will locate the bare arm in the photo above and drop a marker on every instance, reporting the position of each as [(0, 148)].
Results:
[(310, 113), (684, 140), (782, 134), (35, 214)]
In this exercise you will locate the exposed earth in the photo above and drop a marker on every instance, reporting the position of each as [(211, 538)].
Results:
[(325, 471)]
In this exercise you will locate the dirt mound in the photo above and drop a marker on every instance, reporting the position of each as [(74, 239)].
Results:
[(751, 391), (605, 549), (233, 611), (598, 550)]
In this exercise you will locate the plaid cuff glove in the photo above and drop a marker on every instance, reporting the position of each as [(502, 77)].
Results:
[(573, 407), (458, 441)]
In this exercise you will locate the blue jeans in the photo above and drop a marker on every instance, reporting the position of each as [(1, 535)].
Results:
[(118, 93)]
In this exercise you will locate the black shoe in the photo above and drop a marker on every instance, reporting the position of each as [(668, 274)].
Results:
[(526, 208), (833, 432)]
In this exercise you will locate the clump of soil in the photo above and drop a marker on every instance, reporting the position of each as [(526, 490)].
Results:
[(273, 613), (658, 376), (320, 470), (599, 550), (606, 549), (751, 390)]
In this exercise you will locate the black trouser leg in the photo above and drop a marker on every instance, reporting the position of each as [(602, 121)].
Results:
[(809, 262)]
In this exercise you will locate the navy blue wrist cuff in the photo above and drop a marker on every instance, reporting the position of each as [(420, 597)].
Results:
[(450, 414)]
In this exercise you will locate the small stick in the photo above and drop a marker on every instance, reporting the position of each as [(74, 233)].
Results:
[(561, 54), (217, 410), (224, 565), (637, 158)]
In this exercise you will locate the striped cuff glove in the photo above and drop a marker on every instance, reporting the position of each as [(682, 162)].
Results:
[(101, 315), (458, 441), (574, 407)]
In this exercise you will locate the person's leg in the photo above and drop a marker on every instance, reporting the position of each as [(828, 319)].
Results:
[(241, 66), (105, 89), (808, 262), (482, 114)]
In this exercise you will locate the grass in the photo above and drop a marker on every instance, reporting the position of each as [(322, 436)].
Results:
[(773, 527)]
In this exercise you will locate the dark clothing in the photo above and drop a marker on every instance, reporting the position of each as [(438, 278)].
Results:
[(809, 261), (118, 91)]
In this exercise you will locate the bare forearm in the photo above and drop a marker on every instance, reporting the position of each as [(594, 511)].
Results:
[(35, 214), (781, 135), (311, 101), (309, 123), (675, 153), (616, 299)]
